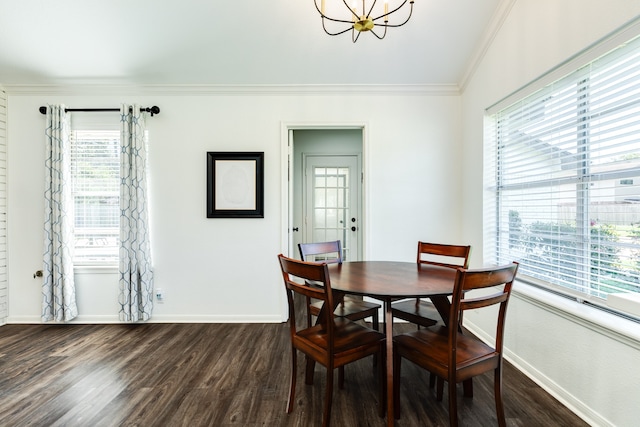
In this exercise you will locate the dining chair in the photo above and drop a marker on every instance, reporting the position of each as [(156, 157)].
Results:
[(452, 355), (422, 312), (333, 341), (352, 309)]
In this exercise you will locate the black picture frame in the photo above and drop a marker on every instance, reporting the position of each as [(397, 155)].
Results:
[(235, 184)]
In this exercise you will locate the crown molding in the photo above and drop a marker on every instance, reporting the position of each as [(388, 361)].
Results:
[(233, 90), (499, 16)]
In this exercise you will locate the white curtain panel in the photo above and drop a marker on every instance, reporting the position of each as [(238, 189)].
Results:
[(58, 288), (136, 276)]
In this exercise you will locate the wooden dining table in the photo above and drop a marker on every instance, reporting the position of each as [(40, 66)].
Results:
[(389, 281)]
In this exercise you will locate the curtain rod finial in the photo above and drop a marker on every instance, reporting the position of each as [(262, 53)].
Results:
[(153, 110)]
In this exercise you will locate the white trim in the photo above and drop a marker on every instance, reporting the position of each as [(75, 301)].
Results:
[(612, 326), (249, 90), (563, 396), (285, 127), (547, 384), (499, 16), (597, 49), (113, 319), (79, 269), (284, 141)]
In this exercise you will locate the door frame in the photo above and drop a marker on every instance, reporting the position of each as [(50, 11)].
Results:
[(286, 184)]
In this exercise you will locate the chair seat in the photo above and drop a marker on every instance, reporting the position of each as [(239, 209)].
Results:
[(351, 309), (429, 348), (351, 341), (423, 314)]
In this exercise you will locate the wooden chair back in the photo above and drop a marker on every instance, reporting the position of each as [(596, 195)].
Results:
[(353, 309), (329, 252), (310, 280), (501, 279), (455, 356), (444, 255), (332, 341)]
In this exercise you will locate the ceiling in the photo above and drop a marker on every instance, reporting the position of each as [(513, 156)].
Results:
[(249, 42)]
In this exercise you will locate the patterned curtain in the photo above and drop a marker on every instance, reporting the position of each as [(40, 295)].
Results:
[(58, 287), (136, 276)]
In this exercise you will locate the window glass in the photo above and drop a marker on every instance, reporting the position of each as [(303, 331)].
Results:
[(95, 170)]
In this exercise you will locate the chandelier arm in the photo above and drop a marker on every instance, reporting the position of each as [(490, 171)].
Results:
[(334, 34), (315, 2), (337, 20), (397, 9), (395, 25), (368, 14), (353, 33), (376, 34)]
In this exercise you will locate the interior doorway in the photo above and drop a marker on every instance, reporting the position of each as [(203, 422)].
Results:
[(325, 170)]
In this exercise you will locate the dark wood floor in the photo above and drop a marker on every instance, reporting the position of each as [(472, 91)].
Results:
[(216, 375)]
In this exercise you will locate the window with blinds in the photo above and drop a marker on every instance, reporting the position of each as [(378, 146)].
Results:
[(563, 175), (95, 170)]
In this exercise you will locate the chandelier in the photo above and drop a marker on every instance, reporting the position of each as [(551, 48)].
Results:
[(359, 18)]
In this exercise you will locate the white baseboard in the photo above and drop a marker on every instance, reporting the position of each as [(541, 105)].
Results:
[(547, 384), (113, 319)]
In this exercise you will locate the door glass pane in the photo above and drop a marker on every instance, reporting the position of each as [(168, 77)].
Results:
[(331, 205), (319, 198)]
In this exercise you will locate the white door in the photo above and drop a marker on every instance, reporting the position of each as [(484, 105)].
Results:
[(332, 201)]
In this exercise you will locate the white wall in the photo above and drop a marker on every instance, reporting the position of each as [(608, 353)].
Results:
[(225, 269), (593, 370), (3, 208)]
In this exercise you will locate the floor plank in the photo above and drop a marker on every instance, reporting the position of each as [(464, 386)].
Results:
[(216, 375)]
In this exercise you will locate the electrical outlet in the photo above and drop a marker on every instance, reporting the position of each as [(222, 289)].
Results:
[(159, 294)]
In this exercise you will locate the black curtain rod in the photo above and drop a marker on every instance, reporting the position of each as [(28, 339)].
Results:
[(153, 110)]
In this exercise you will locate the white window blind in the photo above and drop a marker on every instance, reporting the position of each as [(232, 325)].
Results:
[(563, 179), (95, 170)]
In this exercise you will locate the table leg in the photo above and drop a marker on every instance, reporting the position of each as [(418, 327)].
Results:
[(388, 330), (442, 304)]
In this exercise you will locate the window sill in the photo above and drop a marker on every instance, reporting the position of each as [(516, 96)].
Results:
[(95, 269), (617, 327)]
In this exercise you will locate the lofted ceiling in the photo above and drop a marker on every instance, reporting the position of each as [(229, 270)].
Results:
[(237, 42)]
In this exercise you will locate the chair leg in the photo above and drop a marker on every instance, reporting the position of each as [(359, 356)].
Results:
[(467, 386), (308, 300), (328, 398), (432, 379), (397, 363), (497, 389), (440, 389), (311, 365), (453, 403), (376, 325), (341, 377), (382, 380), (376, 321), (292, 386)]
